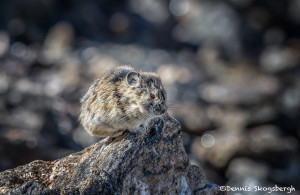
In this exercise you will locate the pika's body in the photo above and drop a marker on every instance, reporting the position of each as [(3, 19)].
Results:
[(122, 99)]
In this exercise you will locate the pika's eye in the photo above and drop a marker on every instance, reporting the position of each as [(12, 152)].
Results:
[(152, 95)]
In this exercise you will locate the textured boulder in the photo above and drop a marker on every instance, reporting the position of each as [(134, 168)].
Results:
[(153, 162)]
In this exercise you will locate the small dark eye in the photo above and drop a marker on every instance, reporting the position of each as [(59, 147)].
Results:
[(152, 95)]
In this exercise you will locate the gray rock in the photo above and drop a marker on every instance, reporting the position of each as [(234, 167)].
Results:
[(153, 162)]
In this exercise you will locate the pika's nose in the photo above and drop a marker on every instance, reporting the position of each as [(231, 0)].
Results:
[(157, 108), (160, 109)]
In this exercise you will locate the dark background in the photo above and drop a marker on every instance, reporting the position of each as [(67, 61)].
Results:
[(231, 70)]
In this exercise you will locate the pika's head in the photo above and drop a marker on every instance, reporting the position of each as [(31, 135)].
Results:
[(148, 91)]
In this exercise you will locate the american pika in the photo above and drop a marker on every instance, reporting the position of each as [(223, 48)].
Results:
[(122, 99)]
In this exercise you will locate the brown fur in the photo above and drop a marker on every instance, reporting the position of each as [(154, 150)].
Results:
[(112, 105)]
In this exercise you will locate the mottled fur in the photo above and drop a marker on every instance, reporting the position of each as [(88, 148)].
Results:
[(122, 99)]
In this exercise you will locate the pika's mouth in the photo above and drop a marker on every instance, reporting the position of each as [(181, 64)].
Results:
[(156, 109)]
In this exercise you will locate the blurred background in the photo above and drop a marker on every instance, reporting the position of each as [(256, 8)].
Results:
[(231, 70)]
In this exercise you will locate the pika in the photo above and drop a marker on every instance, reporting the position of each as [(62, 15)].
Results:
[(122, 99)]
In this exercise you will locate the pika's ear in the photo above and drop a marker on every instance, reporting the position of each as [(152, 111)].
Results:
[(133, 78)]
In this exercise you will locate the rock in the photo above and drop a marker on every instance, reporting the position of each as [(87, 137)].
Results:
[(153, 162)]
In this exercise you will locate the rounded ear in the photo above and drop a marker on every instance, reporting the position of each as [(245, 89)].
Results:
[(132, 78)]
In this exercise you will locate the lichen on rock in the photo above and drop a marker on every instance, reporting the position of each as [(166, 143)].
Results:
[(151, 162)]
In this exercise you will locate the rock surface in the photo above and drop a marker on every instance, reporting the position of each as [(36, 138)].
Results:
[(153, 162)]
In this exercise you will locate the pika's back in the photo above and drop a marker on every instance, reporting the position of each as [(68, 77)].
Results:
[(115, 75), (122, 99), (104, 93)]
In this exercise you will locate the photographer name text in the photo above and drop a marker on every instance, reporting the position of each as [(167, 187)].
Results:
[(269, 189)]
